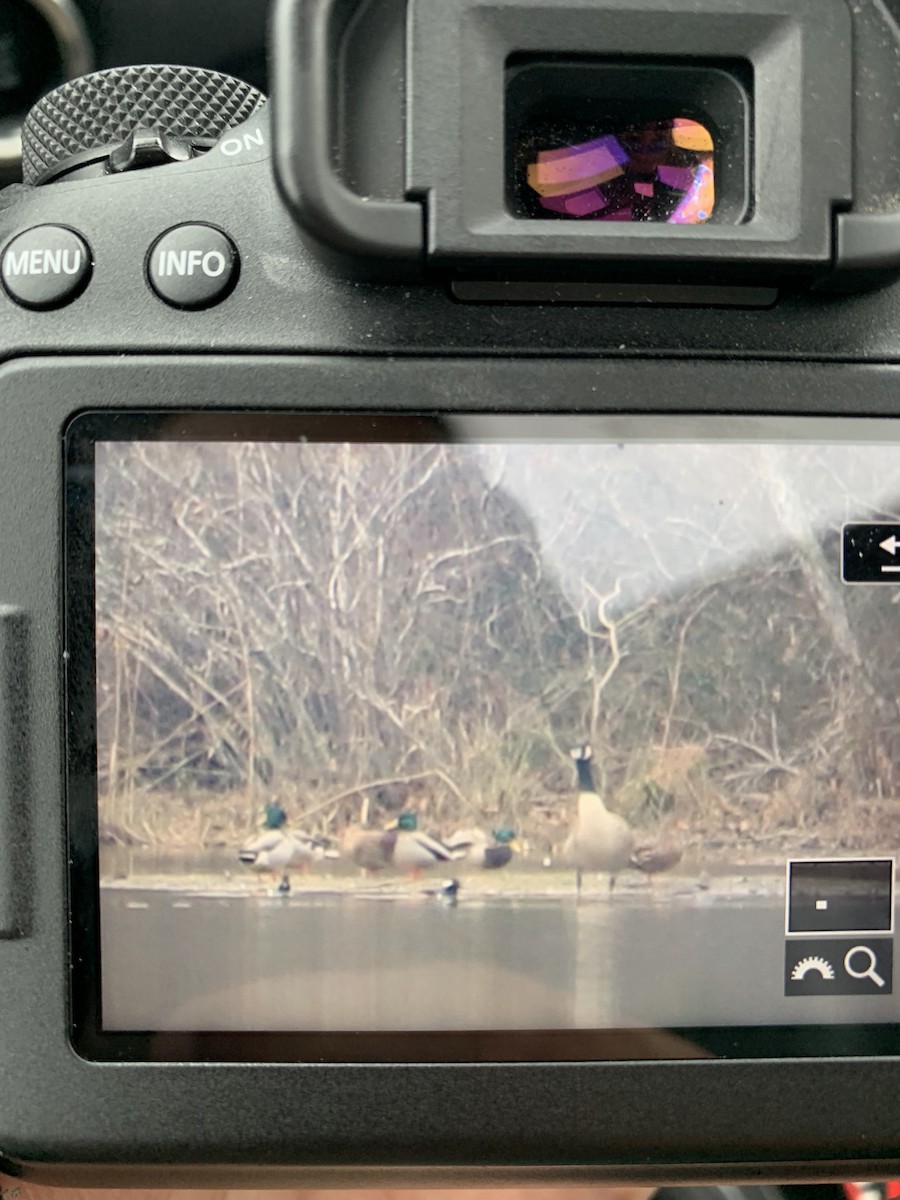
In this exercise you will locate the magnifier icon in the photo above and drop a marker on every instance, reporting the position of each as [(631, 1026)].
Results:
[(869, 972)]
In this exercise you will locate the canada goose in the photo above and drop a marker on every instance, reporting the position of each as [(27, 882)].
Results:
[(280, 849), (599, 840), (488, 853)]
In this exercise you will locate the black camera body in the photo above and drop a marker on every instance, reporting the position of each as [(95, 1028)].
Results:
[(359, 250)]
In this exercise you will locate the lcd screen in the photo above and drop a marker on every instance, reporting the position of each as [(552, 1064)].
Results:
[(474, 723)]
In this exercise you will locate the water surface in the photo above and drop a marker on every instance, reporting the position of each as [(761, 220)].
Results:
[(336, 962)]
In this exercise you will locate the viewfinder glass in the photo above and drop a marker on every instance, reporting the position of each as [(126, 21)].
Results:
[(652, 171), (642, 143)]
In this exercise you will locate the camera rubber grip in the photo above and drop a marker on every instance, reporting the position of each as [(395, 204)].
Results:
[(103, 108), (303, 41), (14, 773)]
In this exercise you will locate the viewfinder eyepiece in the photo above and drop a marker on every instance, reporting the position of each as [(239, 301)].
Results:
[(649, 171), (642, 142)]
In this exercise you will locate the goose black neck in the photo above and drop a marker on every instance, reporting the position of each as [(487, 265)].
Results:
[(585, 775)]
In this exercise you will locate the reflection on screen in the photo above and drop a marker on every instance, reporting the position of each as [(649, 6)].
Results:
[(487, 735)]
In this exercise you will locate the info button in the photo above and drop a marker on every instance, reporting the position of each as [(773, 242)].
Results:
[(193, 266)]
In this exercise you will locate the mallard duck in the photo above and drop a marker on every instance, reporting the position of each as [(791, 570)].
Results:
[(401, 845), (415, 851), (600, 840), (280, 849), (653, 858), (488, 853), (371, 849)]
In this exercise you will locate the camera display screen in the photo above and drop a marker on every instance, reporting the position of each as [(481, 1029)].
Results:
[(479, 723)]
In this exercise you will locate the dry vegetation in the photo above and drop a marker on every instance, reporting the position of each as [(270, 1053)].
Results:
[(323, 623)]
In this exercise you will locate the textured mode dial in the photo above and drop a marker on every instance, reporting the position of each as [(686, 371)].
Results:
[(102, 109)]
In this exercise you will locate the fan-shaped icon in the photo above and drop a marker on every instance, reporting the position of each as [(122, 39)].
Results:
[(820, 965)]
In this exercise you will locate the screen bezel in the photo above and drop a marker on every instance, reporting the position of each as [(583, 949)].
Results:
[(588, 1045)]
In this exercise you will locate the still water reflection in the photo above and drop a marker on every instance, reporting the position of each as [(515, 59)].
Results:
[(330, 962)]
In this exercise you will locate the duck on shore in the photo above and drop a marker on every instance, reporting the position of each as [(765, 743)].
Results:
[(415, 851), (401, 845), (654, 858), (281, 850), (370, 848), (487, 852)]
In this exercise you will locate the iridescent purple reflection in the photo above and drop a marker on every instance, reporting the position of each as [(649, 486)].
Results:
[(659, 171)]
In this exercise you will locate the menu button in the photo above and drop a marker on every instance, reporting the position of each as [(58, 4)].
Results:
[(45, 267)]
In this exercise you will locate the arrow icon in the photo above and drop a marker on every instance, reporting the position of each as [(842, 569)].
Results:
[(870, 553)]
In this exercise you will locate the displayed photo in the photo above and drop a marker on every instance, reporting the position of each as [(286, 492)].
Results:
[(499, 732)]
